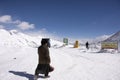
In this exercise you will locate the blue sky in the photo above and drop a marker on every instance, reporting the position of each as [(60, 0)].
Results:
[(65, 18)]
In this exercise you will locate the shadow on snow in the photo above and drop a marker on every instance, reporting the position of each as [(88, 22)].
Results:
[(23, 74)]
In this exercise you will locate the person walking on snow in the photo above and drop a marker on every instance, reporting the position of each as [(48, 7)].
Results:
[(44, 60), (87, 45)]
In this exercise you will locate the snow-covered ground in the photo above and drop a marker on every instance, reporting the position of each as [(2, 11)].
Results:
[(20, 61), (70, 64)]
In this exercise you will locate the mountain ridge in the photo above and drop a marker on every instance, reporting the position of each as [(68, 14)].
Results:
[(114, 37)]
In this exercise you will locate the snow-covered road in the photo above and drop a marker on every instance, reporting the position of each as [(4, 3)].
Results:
[(69, 63)]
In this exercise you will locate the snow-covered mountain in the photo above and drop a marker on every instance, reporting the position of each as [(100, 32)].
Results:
[(15, 38), (114, 37), (102, 38)]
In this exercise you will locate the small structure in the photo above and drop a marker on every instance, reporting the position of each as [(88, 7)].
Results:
[(76, 45), (109, 45), (112, 42), (65, 41)]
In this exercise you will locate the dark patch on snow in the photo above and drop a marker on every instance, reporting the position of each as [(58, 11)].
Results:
[(27, 75), (23, 74)]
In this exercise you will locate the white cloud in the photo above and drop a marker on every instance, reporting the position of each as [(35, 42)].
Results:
[(16, 22), (1, 26), (25, 25), (5, 19)]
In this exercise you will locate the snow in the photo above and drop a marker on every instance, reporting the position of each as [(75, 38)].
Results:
[(19, 62)]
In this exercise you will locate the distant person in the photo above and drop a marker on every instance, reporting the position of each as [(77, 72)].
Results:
[(87, 45), (44, 60)]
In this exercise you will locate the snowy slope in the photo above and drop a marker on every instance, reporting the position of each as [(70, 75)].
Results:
[(13, 38), (114, 37), (17, 39)]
